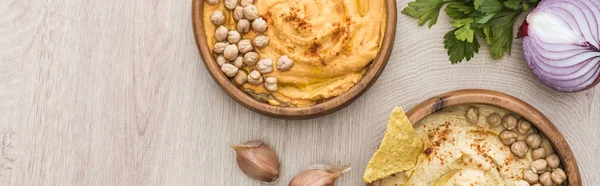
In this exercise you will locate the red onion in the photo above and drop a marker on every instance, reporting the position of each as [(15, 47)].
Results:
[(561, 43)]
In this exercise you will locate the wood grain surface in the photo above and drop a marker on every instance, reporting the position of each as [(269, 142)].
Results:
[(113, 92)]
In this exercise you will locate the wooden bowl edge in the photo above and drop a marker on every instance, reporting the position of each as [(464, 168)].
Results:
[(508, 102), (321, 109)]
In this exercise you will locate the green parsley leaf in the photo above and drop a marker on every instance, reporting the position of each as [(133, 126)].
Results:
[(491, 20), (484, 19), (503, 22), (459, 50), (478, 3), (479, 32), (529, 3), (487, 31), (424, 10), (458, 10), (454, 13), (461, 22), (487, 6), (465, 33), (512, 4), (500, 46), (502, 32)]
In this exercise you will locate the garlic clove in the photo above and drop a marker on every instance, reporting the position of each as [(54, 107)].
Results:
[(319, 175), (314, 178), (329, 168), (257, 160)]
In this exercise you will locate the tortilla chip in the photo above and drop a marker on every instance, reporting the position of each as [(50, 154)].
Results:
[(398, 151)]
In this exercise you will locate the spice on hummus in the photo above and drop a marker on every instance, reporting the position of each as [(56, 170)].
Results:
[(462, 148), (330, 42)]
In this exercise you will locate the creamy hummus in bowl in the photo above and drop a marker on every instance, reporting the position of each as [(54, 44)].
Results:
[(337, 49), (479, 137)]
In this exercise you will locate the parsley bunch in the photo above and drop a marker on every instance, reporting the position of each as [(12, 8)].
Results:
[(491, 20)]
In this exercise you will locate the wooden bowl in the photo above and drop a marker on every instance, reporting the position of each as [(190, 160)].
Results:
[(537, 119), (320, 109)]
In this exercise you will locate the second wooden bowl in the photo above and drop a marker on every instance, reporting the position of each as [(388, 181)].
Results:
[(320, 109), (478, 96)]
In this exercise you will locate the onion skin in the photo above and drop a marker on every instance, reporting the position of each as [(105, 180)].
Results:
[(561, 41), (523, 30)]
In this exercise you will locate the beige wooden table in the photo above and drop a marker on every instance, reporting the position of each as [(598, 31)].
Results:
[(113, 92)]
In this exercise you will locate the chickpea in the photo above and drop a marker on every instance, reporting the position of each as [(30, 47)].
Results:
[(508, 137), (245, 46), (238, 62), (229, 70), (260, 41), (553, 161), (521, 183), (534, 140), (259, 25), (530, 176), (255, 78), (472, 115), (509, 121), (519, 148), (240, 78), (234, 37), (545, 179), (558, 176), (231, 52), (494, 119), (219, 48), (538, 153), (217, 17), (271, 84), (231, 4), (221, 60), (284, 63), (243, 26), (251, 12), (238, 13), (221, 33), (265, 66), (246, 2), (251, 58), (524, 127), (539, 166)]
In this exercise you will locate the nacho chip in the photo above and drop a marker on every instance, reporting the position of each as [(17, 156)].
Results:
[(398, 151)]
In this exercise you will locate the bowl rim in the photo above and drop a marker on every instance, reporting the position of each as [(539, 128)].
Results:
[(508, 102), (327, 107)]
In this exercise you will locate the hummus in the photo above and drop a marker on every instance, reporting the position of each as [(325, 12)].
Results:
[(331, 42), (460, 153)]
